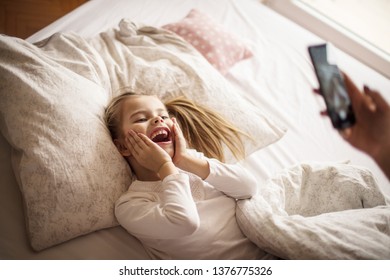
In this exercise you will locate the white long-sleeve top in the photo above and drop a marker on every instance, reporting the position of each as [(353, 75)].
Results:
[(185, 217)]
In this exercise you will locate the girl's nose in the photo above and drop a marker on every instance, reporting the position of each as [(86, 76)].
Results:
[(158, 119)]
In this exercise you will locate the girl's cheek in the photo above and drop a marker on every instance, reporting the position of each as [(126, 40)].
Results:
[(170, 124), (136, 127)]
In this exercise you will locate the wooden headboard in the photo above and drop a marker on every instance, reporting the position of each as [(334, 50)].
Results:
[(22, 18)]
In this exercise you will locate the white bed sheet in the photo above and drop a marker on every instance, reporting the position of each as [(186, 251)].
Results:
[(279, 79)]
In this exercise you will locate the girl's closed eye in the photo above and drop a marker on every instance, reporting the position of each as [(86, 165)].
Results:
[(140, 120)]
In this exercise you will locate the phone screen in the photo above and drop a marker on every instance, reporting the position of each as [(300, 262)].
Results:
[(332, 88)]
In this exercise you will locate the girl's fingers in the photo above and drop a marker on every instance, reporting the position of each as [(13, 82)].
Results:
[(138, 138), (133, 138), (177, 129), (136, 144), (144, 139), (141, 142), (130, 143), (174, 130), (174, 121)]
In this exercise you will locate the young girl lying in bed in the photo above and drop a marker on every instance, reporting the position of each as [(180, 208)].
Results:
[(182, 204)]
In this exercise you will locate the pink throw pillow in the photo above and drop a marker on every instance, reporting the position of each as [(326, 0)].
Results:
[(221, 48)]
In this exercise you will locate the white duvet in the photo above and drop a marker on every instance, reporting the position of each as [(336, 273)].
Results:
[(319, 211)]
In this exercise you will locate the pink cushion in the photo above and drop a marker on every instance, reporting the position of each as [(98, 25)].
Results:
[(221, 48)]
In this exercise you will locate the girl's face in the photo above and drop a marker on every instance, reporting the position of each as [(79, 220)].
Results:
[(147, 115)]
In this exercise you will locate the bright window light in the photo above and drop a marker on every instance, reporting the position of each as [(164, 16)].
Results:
[(367, 19), (357, 27)]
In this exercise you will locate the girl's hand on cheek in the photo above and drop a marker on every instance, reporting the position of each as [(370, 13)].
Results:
[(180, 142), (146, 152), (185, 161)]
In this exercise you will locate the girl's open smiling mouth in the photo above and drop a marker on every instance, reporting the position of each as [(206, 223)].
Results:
[(161, 135)]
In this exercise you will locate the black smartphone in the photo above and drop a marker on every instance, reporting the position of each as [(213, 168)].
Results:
[(332, 88)]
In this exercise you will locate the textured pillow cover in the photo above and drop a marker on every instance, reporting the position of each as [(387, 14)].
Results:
[(69, 172), (52, 102), (220, 47)]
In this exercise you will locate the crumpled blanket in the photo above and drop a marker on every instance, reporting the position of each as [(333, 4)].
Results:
[(319, 211)]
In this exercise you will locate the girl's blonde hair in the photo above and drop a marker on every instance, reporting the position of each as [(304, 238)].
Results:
[(204, 130), (112, 114)]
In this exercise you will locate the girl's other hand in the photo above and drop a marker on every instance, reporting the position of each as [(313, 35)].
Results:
[(185, 161), (180, 142)]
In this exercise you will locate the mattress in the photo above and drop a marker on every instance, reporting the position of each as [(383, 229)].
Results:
[(278, 79)]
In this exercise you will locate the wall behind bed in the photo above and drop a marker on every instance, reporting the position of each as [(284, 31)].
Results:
[(22, 18)]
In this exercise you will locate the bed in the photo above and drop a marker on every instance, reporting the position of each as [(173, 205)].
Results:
[(52, 210)]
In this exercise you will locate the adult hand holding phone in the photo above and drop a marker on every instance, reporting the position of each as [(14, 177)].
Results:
[(371, 131)]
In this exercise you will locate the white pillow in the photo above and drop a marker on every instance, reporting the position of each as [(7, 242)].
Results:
[(69, 172)]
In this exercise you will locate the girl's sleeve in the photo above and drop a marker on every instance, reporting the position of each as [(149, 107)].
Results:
[(169, 214), (232, 179)]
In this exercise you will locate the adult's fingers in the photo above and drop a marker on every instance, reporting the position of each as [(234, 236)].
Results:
[(316, 90), (352, 90), (377, 98)]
